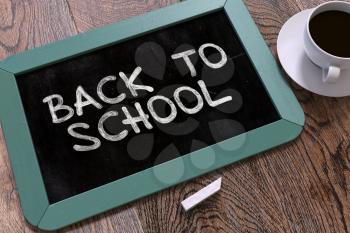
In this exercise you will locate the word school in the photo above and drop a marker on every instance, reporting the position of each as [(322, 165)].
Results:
[(83, 99)]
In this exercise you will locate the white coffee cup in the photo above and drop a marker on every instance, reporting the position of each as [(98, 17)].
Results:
[(331, 65)]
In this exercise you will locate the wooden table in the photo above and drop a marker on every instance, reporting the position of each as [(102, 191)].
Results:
[(300, 187)]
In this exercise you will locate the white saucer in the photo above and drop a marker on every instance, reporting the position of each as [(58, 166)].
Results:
[(290, 48)]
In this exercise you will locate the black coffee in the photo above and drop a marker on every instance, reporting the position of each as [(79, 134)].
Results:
[(331, 32)]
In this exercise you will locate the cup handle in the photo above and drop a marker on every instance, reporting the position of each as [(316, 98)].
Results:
[(331, 74)]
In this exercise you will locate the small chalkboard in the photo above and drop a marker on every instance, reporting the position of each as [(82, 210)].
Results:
[(106, 117)]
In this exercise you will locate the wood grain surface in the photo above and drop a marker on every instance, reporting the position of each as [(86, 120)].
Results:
[(303, 186)]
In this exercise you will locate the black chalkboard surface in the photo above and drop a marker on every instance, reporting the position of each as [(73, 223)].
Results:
[(67, 172)]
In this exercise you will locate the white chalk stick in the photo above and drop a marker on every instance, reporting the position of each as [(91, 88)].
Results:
[(201, 195)]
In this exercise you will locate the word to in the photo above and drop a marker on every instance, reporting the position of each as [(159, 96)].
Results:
[(83, 99)]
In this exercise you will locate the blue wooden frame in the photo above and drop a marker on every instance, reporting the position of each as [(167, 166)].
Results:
[(29, 182)]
